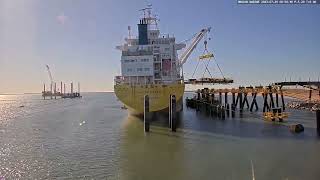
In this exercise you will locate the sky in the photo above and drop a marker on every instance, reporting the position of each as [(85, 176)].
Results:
[(253, 44)]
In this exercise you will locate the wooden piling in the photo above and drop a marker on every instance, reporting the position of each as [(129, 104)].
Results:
[(225, 98), (282, 100), (44, 91), (223, 112), (233, 110), (271, 99), (51, 90), (79, 88), (265, 102), (220, 97), (233, 98), (217, 111), (228, 110), (254, 101), (318, 121), (245, 100), (237, 100), (277, 99), (146, 117), (55, 90), (240, 102), (173, 113), (280, 114), (310, 95)]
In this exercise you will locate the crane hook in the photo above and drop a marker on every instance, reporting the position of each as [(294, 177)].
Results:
[(205, 44)]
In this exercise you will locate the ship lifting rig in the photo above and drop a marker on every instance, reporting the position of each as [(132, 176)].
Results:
[(205, 56)]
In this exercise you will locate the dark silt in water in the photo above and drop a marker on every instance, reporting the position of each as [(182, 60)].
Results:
[(93, 138)]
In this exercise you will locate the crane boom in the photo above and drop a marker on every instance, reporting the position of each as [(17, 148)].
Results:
[(50, 76), (193, 45)]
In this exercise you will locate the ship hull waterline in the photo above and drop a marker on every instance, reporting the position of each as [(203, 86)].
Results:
[(132, 96)]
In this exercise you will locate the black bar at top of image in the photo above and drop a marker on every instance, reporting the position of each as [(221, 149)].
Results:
[(278, 1)]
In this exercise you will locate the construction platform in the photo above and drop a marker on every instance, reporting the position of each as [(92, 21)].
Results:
[(54, 93)]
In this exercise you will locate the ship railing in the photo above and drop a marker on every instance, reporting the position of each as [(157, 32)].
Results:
[(123, 82), (137, 53)]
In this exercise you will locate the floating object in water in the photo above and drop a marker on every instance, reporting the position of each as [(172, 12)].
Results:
[(297, 128), (21, 106), (275, 114), (82, 123), (124, 107)]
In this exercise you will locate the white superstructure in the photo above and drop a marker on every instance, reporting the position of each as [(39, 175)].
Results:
[(152, 58)]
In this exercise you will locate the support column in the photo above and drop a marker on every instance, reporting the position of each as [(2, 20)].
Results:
[(44, 91), (78, 89), (233, 98), (233, 110), (277, 99), (226, 98), (265, 102), (245, 100), (228, 110), (240, 102), (173, 113), (146, 118), (223, 112), (55, 90), (282, 100), (310, 95), (271, 99), (280, 114), (254, 101), (318, 121), (51, 90)]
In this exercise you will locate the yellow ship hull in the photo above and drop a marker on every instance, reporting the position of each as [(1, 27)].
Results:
[(132, 96)]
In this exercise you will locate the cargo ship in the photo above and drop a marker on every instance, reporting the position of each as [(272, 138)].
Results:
[(150, 66)]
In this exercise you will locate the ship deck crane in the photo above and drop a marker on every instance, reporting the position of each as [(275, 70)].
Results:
[(185, 55), (193, 45)]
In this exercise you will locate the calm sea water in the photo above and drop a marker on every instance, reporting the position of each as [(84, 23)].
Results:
[(93, 138)]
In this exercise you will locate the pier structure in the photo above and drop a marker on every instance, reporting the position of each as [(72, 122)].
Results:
[(61, 92), (273, 101), (312, 86)]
